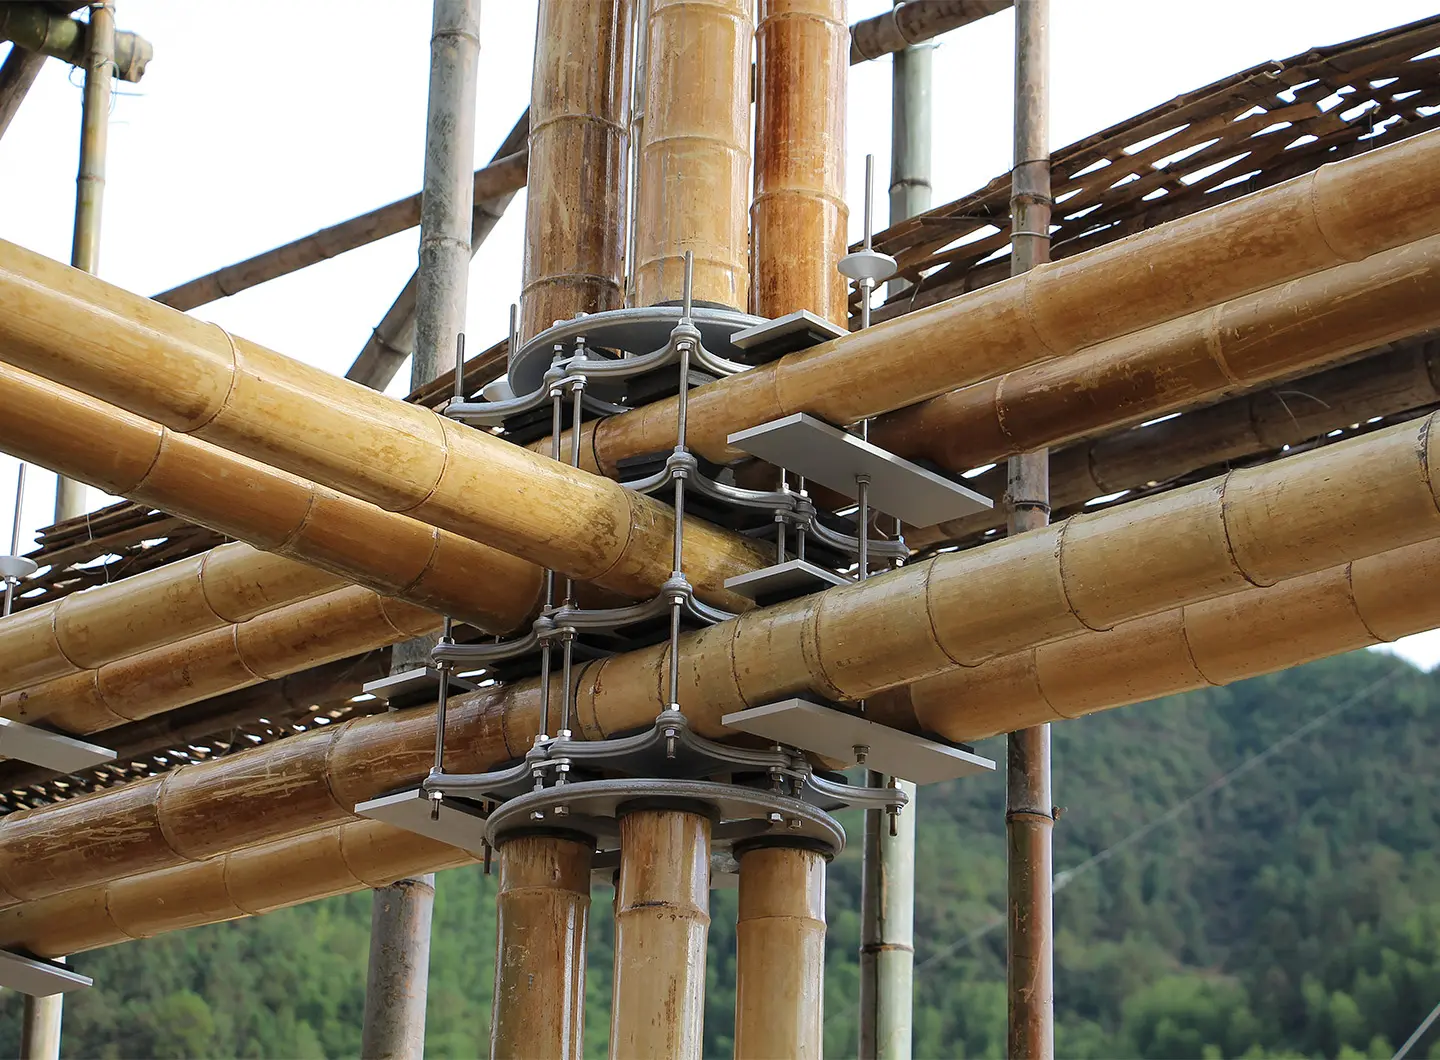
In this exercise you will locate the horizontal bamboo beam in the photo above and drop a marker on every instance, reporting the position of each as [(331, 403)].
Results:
[(37, 28), (321, 629), (502, 177), (1403, 378), (195, 378), (1233, 346), (1254, 631), (1256, 526), (914, 23), (1342, 212)]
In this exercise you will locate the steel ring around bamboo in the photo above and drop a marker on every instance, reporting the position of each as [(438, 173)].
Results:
[(636, 330), (743, 814)]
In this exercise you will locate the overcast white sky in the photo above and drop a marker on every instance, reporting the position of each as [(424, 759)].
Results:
[(260, 121)]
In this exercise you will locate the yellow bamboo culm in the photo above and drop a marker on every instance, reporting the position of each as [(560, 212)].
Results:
[(662, 917), (544, 907), (780, 954)]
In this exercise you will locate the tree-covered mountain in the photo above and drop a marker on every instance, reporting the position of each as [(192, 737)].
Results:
[(1292, 909)]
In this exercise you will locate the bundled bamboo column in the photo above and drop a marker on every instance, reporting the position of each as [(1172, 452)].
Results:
[(1254, 631), (580, 140), (798, 218), (196, 379), (1255, 526), (780, 954), (544, 908), (662, 915), (691, 191)]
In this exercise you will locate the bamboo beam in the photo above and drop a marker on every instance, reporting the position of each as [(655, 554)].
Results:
[(283, 641), (1255, 631), (21, 68), (1343, 212), (501, 177), (197, 379), (1255, 526), (662, 916), (129, 456), (780, 954), (544, 910), (798, 216), (580, 137), (911, 23), (1404, 377), (694, 152), (36, 28)]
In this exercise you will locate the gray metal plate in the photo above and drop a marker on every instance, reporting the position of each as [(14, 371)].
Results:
[(811, 447), (834, 734), (793, 577), (49, 750), (459, 824), (798, 330), (26, 975)]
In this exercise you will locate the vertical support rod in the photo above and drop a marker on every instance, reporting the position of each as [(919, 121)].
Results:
[(70, 495), (543, 912), (662, 917), (399, 972), (887, 950), (1029, 811), (780, 954), (40, 1034)]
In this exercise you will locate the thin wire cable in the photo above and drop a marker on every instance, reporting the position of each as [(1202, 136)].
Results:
[(1419, 1033), (1062, 879)]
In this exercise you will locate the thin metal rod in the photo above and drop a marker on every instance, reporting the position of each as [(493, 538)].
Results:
[(869, 200), (19, 508), (460, 365), (447, 637), (1029, 807)]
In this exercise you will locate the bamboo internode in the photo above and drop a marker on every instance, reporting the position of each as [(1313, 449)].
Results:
[(1345, 211), (662, 915), (1254, 526), (691, 189), (194, 378), (780, 955), (799, 217), (579, 137), (544, 906)]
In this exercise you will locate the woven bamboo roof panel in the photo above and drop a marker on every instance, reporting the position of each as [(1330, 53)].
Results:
[(1248, 131)]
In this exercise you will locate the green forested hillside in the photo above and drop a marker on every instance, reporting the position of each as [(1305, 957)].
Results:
[(1293, 911)]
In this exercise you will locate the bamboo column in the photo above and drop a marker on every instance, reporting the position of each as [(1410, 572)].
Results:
[(70, 496), (544, 909), (40, 1029), (1029, 815), (694, 152), (399, 968), (662, 916), (780, 954), (798, 217)]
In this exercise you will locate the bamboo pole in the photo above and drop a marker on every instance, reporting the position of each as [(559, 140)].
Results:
[(1029, 814), (662, 916), (37, 28), (21, 68), (1343, 212), (544, 910), (1403, 377), (579, 134), (195, 378), (1255, 526), (908, 24), (780, 954), (274, 644), (798, 216), (694, 152), (503, 176), (126, 455), (1254, 631), (398, 972), (40, 1027)]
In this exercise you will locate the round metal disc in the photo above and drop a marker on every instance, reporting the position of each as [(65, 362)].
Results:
[(17, 567)]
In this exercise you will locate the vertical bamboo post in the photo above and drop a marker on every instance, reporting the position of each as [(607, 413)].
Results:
[(399, 971), (662, 916), (780, 954), (40, 1033), (70, 496), (1029, 813), (544, 910)]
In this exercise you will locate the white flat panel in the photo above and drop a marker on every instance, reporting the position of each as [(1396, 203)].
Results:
[(835, 734), (459, 824), (26, 975), (806, 446), (793, 577), (49, 750)]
